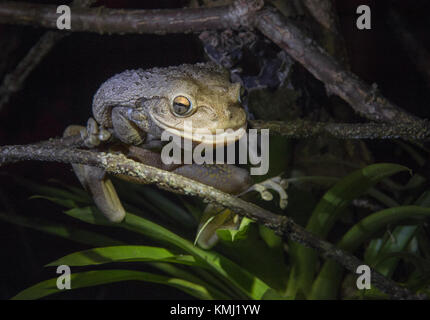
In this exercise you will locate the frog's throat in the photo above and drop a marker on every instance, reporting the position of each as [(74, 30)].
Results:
[(227, 136)]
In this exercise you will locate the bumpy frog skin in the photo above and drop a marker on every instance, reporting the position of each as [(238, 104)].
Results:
[(138, 104), (135, 107)]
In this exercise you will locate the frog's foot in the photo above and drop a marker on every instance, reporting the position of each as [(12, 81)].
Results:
[(94, 179), (93, 135), (276, 184)]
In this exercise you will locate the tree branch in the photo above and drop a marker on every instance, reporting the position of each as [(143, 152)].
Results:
[(306, 129), (119, 164), (364, 99), (323, 12), (14, 81), (103, 20)]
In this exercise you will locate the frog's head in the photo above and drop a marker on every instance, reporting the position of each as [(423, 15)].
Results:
[(201, 104)]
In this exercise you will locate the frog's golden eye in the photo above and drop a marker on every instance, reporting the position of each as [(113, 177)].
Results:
[(181, 106)]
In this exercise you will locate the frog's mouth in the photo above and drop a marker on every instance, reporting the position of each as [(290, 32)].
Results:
[(223, 136)]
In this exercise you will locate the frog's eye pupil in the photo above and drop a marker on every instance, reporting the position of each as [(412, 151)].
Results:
[(181, 106)]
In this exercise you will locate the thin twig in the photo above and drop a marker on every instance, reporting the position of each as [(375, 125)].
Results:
[(323, 11), (104, 20), (282, 225), (307, 129), (14, 81)]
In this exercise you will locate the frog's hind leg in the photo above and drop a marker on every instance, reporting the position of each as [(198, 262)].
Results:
[(96, 182), (225, 177)]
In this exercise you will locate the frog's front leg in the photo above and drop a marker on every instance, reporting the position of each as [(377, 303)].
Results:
[(92, 134), (97, 184), (125, 122), (101, 189), (276, 184)]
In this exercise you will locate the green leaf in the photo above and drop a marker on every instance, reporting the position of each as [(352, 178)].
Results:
[(52, 191), (383, 260), (397, 241), (122, 254), (274, 295), (231, 235), (424, 199), (68, 232), (153, 200), (68, 203), (383, 198), (95, 278), (246, 247), (412, 152), (317, 180), (328, 210), (77, 191), (202, 229), (337, 198), (168, 207), (327, 283), (419, 279), (422, 265), (217, 290), (90, 215), (269, 236), (243, 281)]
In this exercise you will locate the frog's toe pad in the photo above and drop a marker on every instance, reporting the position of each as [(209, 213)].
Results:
[(93, 134), (276, 184)]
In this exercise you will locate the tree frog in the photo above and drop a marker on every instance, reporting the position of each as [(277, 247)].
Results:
[(135, 106)]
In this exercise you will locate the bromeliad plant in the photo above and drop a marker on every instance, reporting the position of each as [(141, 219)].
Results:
[(251, 262)]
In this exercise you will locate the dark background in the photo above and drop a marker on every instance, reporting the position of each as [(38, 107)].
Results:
[(59, 92)]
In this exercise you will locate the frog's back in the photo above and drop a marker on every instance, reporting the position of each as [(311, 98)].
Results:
[(125, 88)]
